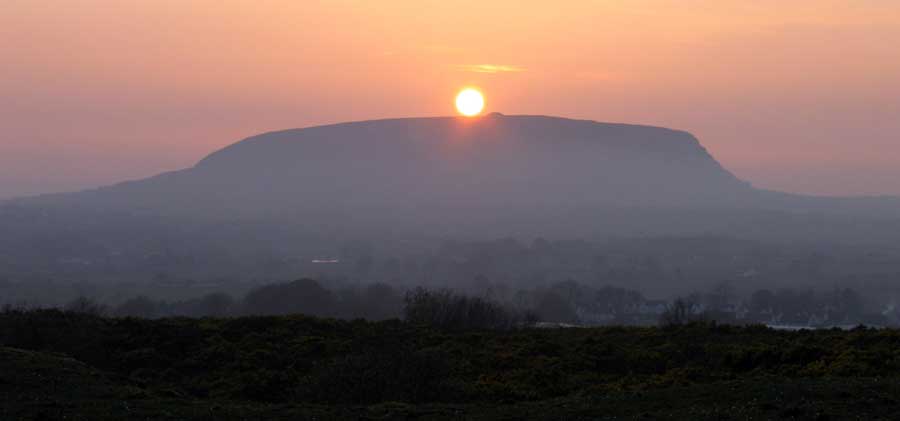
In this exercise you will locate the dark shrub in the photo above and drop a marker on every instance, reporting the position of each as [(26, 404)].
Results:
[(681, 311), (448, 310)]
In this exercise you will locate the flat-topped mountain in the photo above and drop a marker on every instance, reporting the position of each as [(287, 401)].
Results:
[(449, 177), (491, 161)]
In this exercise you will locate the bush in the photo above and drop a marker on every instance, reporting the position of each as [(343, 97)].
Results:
[(681, 311), (448, 310)]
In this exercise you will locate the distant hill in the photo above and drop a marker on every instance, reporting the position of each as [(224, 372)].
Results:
[(495, 160), (404, 184)]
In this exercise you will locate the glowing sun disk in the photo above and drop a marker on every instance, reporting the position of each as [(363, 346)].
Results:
[(469, 102)]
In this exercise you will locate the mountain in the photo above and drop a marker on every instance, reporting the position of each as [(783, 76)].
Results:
[(493, 161), (495, 175)]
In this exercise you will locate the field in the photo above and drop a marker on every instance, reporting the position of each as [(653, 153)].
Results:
[(59, 365)]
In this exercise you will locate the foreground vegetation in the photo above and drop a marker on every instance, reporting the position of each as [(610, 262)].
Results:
[(59, 363)]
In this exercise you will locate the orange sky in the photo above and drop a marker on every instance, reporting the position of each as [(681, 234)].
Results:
[(800, 96)]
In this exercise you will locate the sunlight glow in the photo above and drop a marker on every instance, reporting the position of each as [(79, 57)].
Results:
[(469, 102)]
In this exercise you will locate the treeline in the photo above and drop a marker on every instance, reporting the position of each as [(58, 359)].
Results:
[(441, 308), (783, 306), (497, 306), (450, 310), (376, 301), (660, 267), (494, 306)]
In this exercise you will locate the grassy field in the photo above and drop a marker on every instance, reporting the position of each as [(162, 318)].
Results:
[(60, 365)]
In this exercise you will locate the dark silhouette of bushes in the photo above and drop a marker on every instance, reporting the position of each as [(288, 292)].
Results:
[(682, 311), (378, 374), (289, 359), (446, 309)]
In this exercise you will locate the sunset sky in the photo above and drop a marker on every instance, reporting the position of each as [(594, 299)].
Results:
[(801, 96)]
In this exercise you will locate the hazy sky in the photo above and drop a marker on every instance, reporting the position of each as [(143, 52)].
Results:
[(800, 96)]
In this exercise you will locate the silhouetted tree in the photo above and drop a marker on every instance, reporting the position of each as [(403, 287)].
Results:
[(448, 310), (681, 311)]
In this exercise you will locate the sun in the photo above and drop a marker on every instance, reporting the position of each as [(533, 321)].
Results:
[(469, 102)]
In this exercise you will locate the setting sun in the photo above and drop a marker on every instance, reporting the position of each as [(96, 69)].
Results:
[(469, 102)]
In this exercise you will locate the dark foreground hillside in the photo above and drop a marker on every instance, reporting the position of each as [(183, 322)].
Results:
[(58, 365)]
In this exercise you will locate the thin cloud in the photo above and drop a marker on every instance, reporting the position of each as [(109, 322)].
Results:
[(491, 68)]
